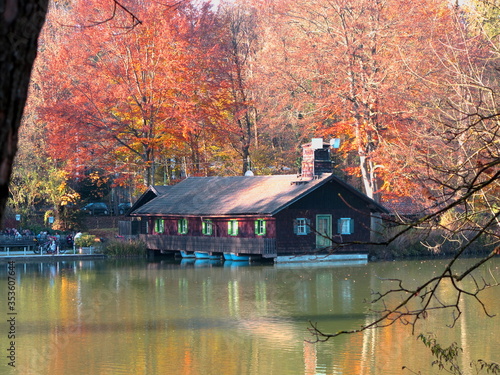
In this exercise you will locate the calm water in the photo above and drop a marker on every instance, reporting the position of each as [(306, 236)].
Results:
[(138, 317)]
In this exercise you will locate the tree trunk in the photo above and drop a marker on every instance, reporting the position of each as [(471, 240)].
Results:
[(20, 25)]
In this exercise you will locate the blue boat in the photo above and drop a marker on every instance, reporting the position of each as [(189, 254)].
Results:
[(205, 255), (241, 257), (228, 256), (186, 254)]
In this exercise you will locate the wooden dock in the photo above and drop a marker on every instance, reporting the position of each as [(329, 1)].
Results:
[(21, 256), (22, 249), (8, 244)]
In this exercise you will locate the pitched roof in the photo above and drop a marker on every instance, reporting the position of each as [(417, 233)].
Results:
[(150, 194), (238, 195), (160, 189)]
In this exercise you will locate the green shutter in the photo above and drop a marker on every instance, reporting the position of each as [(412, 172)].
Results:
[(206, 227), (182, 226), (260, 227), (232, 227), (159, 226)]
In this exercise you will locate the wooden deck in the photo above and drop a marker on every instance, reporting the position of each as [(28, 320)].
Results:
[(260, 246)]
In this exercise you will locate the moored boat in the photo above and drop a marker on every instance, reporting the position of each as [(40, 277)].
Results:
[(241, 257), (206, 255), (187, 254)]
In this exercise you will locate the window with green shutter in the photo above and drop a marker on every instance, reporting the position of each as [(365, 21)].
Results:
[(260, 227), (207, 227), (182, 226), (232, 227), (159, 225)]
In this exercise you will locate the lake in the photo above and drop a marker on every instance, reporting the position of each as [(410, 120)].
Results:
[(204, 317)]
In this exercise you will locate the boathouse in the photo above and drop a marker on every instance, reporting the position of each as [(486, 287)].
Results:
[(264, 216)]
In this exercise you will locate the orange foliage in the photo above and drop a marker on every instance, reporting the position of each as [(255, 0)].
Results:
[(204, 90), (130, 99), (354, 70)]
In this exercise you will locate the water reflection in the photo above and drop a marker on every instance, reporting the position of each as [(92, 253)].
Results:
[(128, 317)]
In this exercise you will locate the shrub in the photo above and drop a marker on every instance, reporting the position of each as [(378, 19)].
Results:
[(125, 248), (85, 240)]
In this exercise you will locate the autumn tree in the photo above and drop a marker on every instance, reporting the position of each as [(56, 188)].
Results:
[(483, 16), (460, 155), (351, 62), (240, 43), (135, 100)]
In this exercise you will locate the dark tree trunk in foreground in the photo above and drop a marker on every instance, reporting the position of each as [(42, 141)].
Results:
[(20, 25)]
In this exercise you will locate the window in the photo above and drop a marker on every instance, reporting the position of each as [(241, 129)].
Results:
[(302, 226), (182, 226), (260, 227), (159, 225), (345, 226), (207, 227), (232, 227)]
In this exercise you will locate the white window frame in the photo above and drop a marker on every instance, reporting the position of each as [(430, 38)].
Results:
[(345, 225), (232, 227), (302, 228), (207, 227), (182, 226), (159, 226), (260, 227)]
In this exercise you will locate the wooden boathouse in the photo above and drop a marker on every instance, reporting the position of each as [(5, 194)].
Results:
[(264, 216)]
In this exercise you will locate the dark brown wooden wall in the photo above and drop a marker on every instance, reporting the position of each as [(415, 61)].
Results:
[(246, 227), (329, 199)]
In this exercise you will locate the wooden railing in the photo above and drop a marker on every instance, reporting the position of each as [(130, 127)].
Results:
[(262, 246), (12, 243)]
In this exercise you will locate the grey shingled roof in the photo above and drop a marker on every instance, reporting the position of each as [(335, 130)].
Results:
[(160, 189), (238, 195)]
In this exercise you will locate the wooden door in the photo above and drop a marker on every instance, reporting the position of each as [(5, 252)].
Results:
[(323, 231)]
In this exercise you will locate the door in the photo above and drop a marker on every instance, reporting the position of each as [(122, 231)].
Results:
[(323, 231)]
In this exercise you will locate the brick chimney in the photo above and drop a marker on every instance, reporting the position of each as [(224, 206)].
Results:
[(316, 159)]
